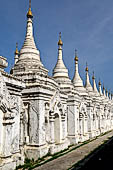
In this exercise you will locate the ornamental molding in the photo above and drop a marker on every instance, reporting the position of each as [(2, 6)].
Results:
[(55, 106), (8, 103)]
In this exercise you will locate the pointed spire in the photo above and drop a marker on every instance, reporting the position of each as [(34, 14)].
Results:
[(87, 67), (104, 93), (16, 53), (60, 71), (93, 77), (29, 4), (29, 50), (76, 57), (94, 84), (100, 90), (87, 83), (29, 31), (60, 43), (29, 57), (29, 14), (109, 95), (77, 81)]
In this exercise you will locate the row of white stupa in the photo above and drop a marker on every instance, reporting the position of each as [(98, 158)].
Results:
[(30, 54), (60, 72)]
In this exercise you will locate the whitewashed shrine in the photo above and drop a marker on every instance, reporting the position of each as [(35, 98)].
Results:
[(40, 114)]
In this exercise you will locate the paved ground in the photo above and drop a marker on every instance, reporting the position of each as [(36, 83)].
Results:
[(101, 159), (66, 161)]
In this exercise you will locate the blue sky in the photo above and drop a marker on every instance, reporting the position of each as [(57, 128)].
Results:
[(86, 25)]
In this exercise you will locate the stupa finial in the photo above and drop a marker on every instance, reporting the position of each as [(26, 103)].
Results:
[(29, 14)]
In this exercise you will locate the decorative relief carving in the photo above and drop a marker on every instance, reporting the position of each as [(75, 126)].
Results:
[(83, 111), (56, 106), (34, 108), (8, 103)]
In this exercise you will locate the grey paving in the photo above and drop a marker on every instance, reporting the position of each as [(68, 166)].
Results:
[(66, 161)]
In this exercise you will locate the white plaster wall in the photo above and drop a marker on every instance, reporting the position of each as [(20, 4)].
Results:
[(1, 131)]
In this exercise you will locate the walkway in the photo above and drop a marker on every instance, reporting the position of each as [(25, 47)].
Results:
[(66, 161)]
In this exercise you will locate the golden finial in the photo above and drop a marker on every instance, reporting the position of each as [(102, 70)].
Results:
[(99, 83), (60, 41), (93, 76), (87, 67), (76, 57), (29, 14), (16, 51)]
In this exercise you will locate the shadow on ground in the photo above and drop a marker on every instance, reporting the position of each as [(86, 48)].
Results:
[(100, 158)]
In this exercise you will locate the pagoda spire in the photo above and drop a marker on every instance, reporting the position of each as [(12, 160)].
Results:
[(77, 81), (94, 84), (104, 93), (87, 83), (16, 51), (16, 54), (60, 43), (29, 43), (100, 89), (107, 93), (29, 31), (29, 56), (29, 4), (29, 14), (60, 70)]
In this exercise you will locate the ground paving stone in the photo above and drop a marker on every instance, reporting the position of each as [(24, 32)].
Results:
[(66, 161)]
